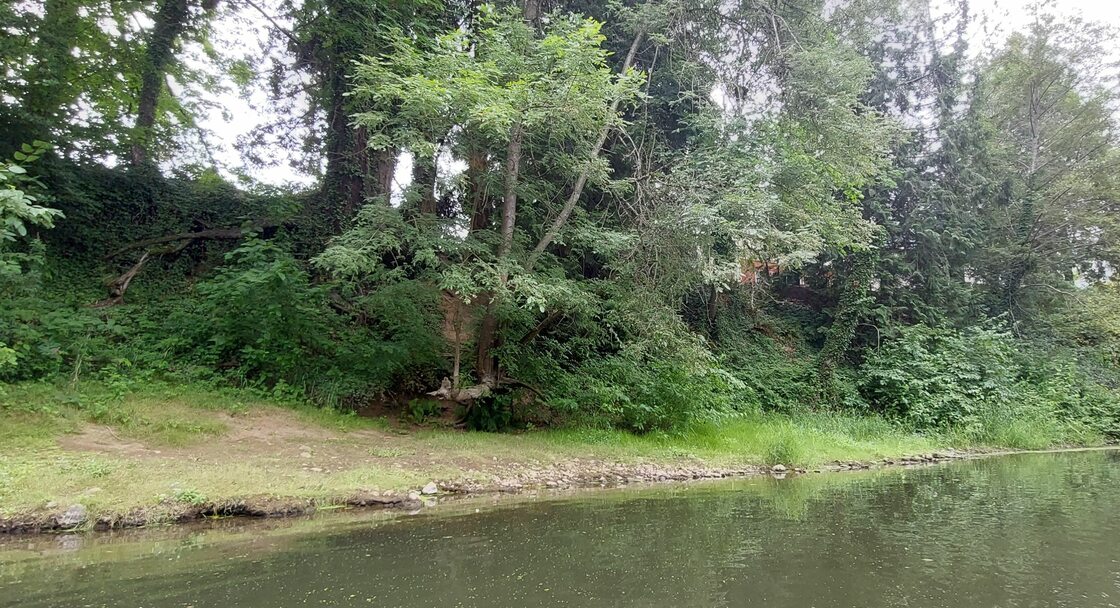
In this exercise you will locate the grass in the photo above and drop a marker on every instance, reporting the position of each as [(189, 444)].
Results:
[(164, 445)]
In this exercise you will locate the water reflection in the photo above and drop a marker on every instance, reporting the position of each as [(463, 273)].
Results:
[(1021, 531)]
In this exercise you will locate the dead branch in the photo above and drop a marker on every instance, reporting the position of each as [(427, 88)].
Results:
[(120, 284), (214, 233)]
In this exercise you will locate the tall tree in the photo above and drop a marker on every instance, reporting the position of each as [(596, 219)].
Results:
[(329, 38), (169, 24), (508, 90), (1049, 116)]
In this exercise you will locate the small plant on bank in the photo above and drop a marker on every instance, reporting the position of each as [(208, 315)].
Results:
[(491, 415), (419, 411), (190, 497)]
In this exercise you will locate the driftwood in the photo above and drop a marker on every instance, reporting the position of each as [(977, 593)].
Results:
[(470, 393), (463, 395)]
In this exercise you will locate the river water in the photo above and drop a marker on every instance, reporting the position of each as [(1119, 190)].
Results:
[(1039, 530)]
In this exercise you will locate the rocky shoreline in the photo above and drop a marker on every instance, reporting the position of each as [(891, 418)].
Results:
[(574, 474)]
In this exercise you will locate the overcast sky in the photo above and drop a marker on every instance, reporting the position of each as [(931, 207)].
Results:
[(240, 116)]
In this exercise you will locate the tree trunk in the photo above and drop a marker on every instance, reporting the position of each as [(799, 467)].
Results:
[(119, 286), (509, 197), (531, 10), (481, 207), (170, 21), (424, 181), (487, 366), (385, 162), (347, 160)]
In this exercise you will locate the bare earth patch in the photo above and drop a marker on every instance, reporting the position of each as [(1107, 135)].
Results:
[(103, 440)]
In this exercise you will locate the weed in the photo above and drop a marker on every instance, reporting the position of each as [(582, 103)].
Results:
[(389, 452), (190, 497)]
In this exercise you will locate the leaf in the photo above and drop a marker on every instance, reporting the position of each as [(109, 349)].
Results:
[(18, 170)]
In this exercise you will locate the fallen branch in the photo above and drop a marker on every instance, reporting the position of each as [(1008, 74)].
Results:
[(550, 320), (179, 241), (120, 284), (213, 233)]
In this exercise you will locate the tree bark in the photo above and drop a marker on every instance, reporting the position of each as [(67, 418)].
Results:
[(424, 181), (581, 181), (120, 284), (509, 197), (347, 159), (531, 10), (481, 207), (213, 233), (385, 167)]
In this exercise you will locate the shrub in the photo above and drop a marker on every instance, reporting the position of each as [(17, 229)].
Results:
[(491, 414), (934, 378), (987, 386), (419, 411)]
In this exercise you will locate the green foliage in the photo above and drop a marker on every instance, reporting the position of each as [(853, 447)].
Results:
[(733, 227), (419, 411), (935, 378), (261, 313), (262, 318), (984, 384), (190, 497), (20, 212), (491, 414)]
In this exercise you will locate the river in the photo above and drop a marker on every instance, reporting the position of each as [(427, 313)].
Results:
[(1037, 530)]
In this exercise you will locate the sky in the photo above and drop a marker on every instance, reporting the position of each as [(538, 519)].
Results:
[(1015, 11), (234, 116)]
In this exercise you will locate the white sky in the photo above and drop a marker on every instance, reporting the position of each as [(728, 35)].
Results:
[(240, 115)]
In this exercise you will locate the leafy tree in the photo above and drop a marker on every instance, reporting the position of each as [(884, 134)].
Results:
[(20, 213), (1051, 139), (506, 90)]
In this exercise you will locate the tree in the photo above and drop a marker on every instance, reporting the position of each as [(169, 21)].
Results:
[(71, 67), (171, 22), (1051, 137), (20, 213), (506, 90)]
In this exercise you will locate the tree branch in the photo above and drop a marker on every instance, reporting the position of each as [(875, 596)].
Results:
[(215, 233), (577, 190)]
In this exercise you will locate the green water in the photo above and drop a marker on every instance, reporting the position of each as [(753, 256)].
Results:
[(1018, 531)]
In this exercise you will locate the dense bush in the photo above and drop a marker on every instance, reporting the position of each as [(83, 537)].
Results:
[(939, 378), (261, 320), (986, 384), (258, 321)]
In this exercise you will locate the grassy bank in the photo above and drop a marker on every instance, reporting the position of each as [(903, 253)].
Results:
[(154, 448)]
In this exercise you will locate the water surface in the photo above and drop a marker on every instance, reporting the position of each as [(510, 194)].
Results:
[(1016, 531)]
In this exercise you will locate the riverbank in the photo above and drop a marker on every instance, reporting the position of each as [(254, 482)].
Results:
[(105, 456)]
